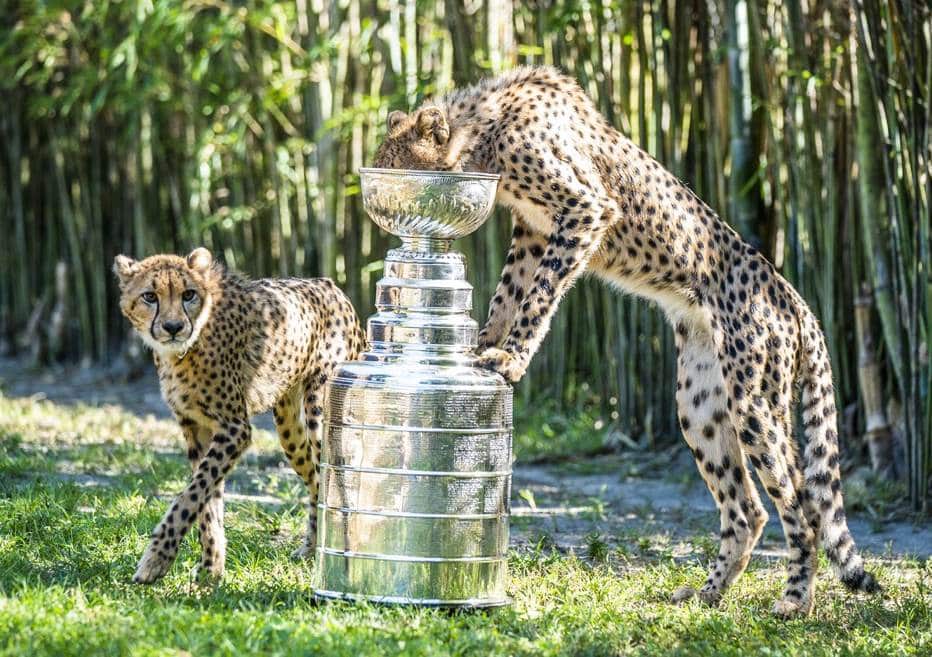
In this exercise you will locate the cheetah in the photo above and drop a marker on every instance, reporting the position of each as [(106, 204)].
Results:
[(583, 197), (226, 348)]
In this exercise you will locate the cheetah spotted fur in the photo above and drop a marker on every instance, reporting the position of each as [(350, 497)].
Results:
[(585, 198), (227, 348)]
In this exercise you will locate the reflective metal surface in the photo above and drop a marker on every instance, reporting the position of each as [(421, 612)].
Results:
[(416, 459), (439, 205)]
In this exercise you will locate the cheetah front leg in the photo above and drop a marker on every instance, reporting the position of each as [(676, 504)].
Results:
[(524, 254), (577, 230), (230, 439), (210, 522)]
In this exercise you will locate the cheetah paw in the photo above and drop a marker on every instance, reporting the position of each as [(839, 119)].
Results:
[(501, 361), (790, 608), (707, 595), (484, 343), (206, 577), (151, 567), (304, 553), (710, 595), (682, 595)]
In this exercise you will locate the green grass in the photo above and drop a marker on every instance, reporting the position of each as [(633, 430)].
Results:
[(543, 433), (69, 543)]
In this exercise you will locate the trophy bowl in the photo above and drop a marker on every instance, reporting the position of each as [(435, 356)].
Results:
[(441, 205)]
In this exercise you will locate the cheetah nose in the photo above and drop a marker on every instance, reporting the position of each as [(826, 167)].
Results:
[(173, 326)]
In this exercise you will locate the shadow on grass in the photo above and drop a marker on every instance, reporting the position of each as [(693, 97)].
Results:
[(68, 550), (61, 533)]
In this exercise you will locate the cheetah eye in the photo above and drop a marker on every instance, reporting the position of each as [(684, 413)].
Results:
[(150, 297), (188, 295)]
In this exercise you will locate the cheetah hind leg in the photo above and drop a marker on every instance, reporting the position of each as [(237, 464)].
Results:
[(296, 442), (708, 431), (783, 481), (314, 421)]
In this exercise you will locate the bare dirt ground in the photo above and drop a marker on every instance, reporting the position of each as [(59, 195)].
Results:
[(633, 502)]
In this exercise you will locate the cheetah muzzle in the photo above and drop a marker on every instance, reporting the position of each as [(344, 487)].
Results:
[(227, 348), (585, 198)]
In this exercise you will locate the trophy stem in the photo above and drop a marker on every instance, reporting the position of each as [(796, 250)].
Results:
[(425, 244)]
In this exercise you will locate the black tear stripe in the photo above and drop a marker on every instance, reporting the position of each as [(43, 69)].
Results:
[(155, 317)]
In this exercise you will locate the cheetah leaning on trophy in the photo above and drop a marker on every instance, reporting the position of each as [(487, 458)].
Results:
[(227, 348), (584, 197)]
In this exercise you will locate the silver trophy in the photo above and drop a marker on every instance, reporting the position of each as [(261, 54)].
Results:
[(416, 458)]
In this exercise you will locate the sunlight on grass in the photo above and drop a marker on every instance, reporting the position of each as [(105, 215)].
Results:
[(544, 433), (50, 425), (68, 548)]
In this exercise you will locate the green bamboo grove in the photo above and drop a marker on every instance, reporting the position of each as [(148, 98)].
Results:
[(144, 125)]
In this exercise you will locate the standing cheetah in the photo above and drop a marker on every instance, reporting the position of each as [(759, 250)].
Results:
[(227, 348), (584, 197)]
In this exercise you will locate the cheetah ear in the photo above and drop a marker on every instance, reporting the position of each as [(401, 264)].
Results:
[(200, 259), (394, 119), (431, 121), (124, 267)]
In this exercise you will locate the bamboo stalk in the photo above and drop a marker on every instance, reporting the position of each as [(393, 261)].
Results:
[(877, 430), (743, 187), (70, 227), (875, 234), (249, 129), (20, 269)]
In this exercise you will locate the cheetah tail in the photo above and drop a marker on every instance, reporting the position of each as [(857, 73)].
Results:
[(824, 505)]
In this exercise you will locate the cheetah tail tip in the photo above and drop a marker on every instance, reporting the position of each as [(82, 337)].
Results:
[(861, 580)]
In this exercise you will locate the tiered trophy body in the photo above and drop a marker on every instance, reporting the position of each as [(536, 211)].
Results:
[(416, 455)]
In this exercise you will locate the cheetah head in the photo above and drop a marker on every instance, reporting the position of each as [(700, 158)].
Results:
[(168, 298), (420, 140)]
